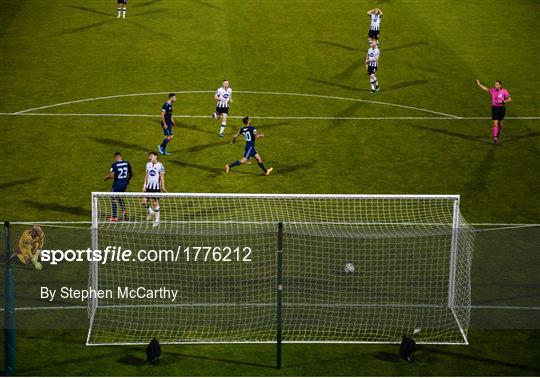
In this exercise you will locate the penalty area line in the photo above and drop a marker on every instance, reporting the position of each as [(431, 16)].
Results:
[(254, 116)]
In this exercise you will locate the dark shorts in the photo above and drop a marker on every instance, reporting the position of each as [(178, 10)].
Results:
[(222, 110), (122, 1), (373, 34), (119, 187), (249, 152), (371, 70), (497, 112), (168, 131), (148, 190)]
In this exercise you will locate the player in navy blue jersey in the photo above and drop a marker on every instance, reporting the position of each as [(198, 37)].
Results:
[(167, 123), (250, 134), (121, 173)]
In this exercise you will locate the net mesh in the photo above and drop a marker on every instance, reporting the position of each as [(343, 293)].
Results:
[(411, 260)]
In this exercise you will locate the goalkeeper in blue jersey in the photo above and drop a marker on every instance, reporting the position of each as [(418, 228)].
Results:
[(30, 245), (250, 134)]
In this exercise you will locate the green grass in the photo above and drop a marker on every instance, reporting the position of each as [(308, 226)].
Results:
[(69, 357), (432, 52)]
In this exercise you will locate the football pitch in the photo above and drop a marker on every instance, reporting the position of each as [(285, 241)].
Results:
[(77, 84)]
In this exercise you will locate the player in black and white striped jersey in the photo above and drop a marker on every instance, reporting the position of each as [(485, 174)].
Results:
[(154, 182), (223, 97), (372, 63), (122, 4), (375, 26)]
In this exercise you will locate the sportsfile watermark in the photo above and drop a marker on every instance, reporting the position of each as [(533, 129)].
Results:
[(115, 254)]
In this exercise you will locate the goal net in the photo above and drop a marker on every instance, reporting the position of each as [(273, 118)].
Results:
[(353, 268)]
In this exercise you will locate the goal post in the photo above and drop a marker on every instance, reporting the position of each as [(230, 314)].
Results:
[(272, 268)]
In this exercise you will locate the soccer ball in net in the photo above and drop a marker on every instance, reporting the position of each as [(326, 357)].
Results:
[(349, 268)]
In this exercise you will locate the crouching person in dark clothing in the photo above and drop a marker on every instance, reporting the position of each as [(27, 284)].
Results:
[(153, 351), (407, 348)]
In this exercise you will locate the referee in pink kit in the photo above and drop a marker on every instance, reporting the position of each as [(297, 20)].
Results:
[(499, 97)]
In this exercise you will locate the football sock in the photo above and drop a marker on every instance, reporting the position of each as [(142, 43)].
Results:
[(495, 131), (262, 166), (372, 85), (124, 13), (234, 164), (164, 144), (222, 128), (156, 217), (114, 207), (376, 84), (122, 204), (119, 11), (150, 210)]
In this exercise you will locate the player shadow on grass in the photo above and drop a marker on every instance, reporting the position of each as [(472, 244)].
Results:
[(405, 84), (511, 138), (55, 206), (56, 364), (291, 168), (207, 4), (147, 29), (202, 147), (316, 361), (283, 170), (117, 144), (151, 11), (432, 350), (112, 15), (338, 85), (483, 138), (10, 184), (185, 355), (350, 71), (169, 358), (131, 360), (480, 176), (91, 10), (214, 171), (185, 126), (147, 3), (333, 44), (349, 111), (405, 46), (86, 27), (386, 356)]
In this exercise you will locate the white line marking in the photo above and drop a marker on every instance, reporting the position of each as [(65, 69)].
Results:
[(74, 307), (350, 99), (505, 227), (106, 98), (247, 92), (471, 224), (507, 307), (255, 116), (51, 222)]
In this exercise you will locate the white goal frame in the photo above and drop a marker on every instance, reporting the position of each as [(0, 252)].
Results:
[(452, 253)]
